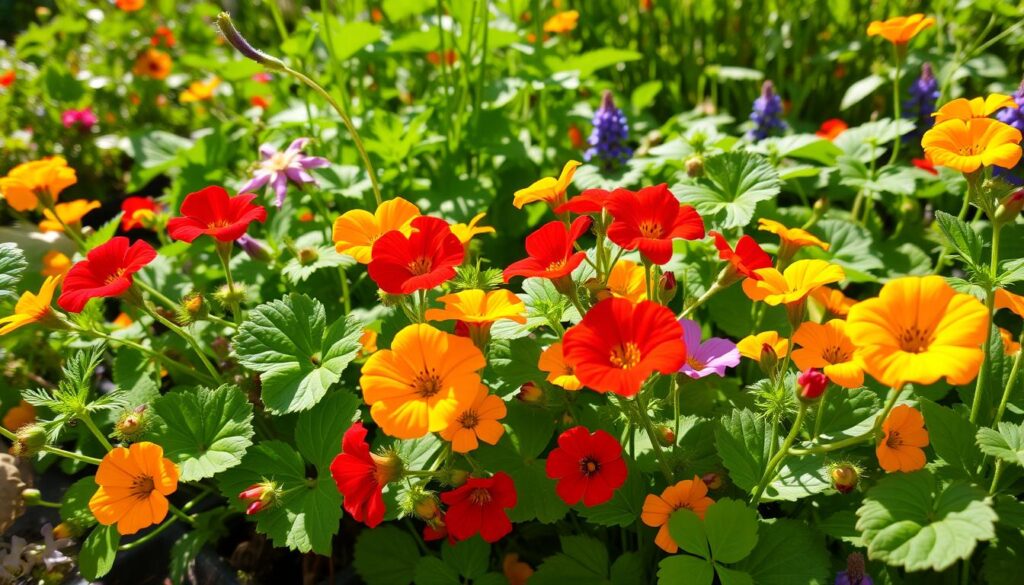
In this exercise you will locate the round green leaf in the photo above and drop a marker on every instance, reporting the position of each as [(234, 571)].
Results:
[(732, 530), (686, 569), (386, 555)]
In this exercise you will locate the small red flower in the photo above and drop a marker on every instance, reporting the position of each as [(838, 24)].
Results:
[(925, 165), (649, 219), (618, 345), (213, 212), (7, 78), (589, 201), (550, 250), (831, 128), (746, 258), (361, 476), (162, 36), (106, 272), (136, 210), (478, 507), (424, 259), (812, 384), (588, 466), (260, 102)]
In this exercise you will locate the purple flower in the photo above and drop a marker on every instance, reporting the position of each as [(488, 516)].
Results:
[(766, 113), (608, 138), (710, 357), (253, 248), (855, 573), (1014, 117), (277, 168), (85, 119), (924, 92)]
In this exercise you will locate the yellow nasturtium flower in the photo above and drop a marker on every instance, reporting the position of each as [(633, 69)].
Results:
[(967, 145), (70, 213), (26, 183), (965, 109), (548, 189), (356, 230)]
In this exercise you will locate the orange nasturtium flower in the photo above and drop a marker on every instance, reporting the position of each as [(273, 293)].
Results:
[(626, 280), (918, 330), (130, 5), (964, 109), (55, 263), (1010, 347), (560, 373), (356, 230), (199, 91), (153, 64), (562, 22), (793, 285), (689, 493), (901, 448), (967, 145), (516, 571), (19, 416), (466, 231), (1007, 300), (418, 385), (827, 346), (478, 310), (367, 343), (901, 29), (122, 321), (134, 485), (752, 345), (548, 189), (790, 237), (834, 300), (29, 182), (31, 307), (475, 420), (70, 213)]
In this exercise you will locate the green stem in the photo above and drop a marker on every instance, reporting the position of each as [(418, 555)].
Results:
[(162, 359), (851, 441), (46, 504), (188, 339), (715, 289), (85, 418), (1010, 383), (224, 253), (996, 477), (769, 472), (896, 102), (641, 410), (964, 207), (149, 536), (820, 415), (182, 515), (990, 298), (150, 290)]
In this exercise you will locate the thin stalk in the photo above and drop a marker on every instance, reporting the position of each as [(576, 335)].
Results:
[(1010, 383), (851, 441), (188, 339), (149, 536), (820, 414), (161, 358), (769, 472), (54, 450), (182, 515), (990, 298), (715, 289), (224, 253), (641, 410), (95, 430), (896, 101)]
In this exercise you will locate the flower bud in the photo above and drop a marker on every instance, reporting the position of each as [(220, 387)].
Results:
[(132, 423), (426, 508), (529, 392), (30, 439), (228, 296), (1009, 208), (844, 477), (64, 530), (457, 477), (712, 480), (666, 436), (308, 256), (821, 206), (231, 34), (260, 496), (812, 384), (253, 248), (695, 166), (389, 466), (667, 286), (769, 360), (191, 309), (31, 496)]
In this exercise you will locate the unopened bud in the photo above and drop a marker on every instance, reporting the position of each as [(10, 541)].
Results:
[(1009, 208), (231, 34), (132, 423), (30, 439), (457, 477), (666, 436), (769, 360), (253, 248), (64, 530), (31, 496), (695, 166), (260, 496), (712, 480), (308, 256), (667, 286), (255, 507), (844, 477), (529, 392), (821, 205), (811, 385), (426, 507), (228, 295)]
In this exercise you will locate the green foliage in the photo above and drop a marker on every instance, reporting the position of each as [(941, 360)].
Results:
[(743, 444), (727, 534), (388, 556), (732, 186), (1006, 442), (952, 437), (582, 560), (98, 551), (74, 506), (12, 266)]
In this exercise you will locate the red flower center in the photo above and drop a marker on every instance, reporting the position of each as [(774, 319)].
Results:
[(914, 340), (650, 229), (589, 466), (625, 356), (469, 419), (142, 486), (220, 223), (420, 266), (893, 441), (427, 384), (480, 496), (557, 264)]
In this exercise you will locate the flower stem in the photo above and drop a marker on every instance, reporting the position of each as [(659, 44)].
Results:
[(641, 410), (162, 359), (182, 515), (149, 536), (188, 339), (851, 441), (54, 450), (896, 103), (1010, 383), (820, 414), (715, 289), (85, 418), (769, 472), (224, 253), (990, 298)]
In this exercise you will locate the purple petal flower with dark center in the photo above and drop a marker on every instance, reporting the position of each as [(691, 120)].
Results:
[(711, 357), (278, 168)]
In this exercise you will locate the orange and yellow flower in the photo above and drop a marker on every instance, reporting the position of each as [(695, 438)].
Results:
[(562, 22), (153, 64), (560, 373), (70, 214), (199, 91), (626, 280), (476, 420), (367, 343), (918, 330), (1010, 347), (19, 416), (965, 109), (548, 189), (901, 447), (55, 263), (899, 30), (478, 310), (418, 385), (691, 494), (828, 347), (122, 321), (130, 5), (31, 307), (467, 231), (1007, 300), (791, 237), (800, 279), (27, 183), (834, 301), (134, 485), (967, 145), (752, 345), (356, 230)]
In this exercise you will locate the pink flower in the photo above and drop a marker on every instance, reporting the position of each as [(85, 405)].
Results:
[(85, 119)]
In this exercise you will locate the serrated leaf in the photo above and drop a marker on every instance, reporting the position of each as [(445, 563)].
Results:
[(204, 431), (98, 552), (788, 552), (74, 506), (913, 521), (799, 477), (952, 436), (12, 266), (135, 375), (386, 555), (961, 237), (326, 257), (469, 557), (319, 430), (1007, 443), (733, 184), (743, 443)]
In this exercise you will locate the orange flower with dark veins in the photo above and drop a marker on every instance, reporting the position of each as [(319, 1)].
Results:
[(691, 494), (134, 485), (901, 448)]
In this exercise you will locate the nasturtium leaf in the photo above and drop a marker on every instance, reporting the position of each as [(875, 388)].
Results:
[(743, 443), (732, 186), (625, 506), (204, 431), (685, 569), (687, 529), (74, 506), (469, 557), (953, 438), (731, 529), (1007, 443), (12, 266), (915, 522), (961, 237), (797, 478), (627, 569), (98, 551), (433, 571), (788, 552), (325, 257), (298, 356), (386, 555), (319, 430), (849, 247), (583, 560)]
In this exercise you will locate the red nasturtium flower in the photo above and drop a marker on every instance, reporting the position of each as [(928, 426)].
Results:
[(589, 201), (478, 507), (745, 259), (588, 466), (361, 475), (830, 129), (213, 212), (420, 261), (618, 345), (550, 250), (137, 211), (106, 272), (649, 219)]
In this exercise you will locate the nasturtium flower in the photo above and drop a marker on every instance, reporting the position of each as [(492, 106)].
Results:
[(1007, 300), (561, 374), (70, 213), (649, 219), (831, 129), (138, 212), (106, 272), (277, 168), (200, 91), (122, 321), (134, 485), (356, 230), (618, 345), (367, 343), (752, 345), (516, 571), (828, 346), (904, 436), (18, 416), (1010, 347), (834, 301), (417, 386), (551, 252), (479, 507), (467, 231), (589, 201), (130, 5), (900, 29), (27, 183), (691, 494), (562, 22), (84, 118), (55, 263), (588, 466), (967, 145), (422, 260), (211, 211), (31, 307), (791, 237), (710, 357), (548, 189), (162, 36), (746, 259), (479, 309), (918, 330), (476, 420), (793, 285), (361, 476), (8, 77), (153, 64), (965, 109), (626, 280)]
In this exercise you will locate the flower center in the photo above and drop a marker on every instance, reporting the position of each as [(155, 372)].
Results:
[(279, 161), (915, 340), (650, 229), (589, 466), (893, 441), (625, 356), (420, 266), (142, 486), (427, 384), (220, 223), (469, 419), (118, 274), (480, 496), (695, 363), (835, 355), (557, 264)]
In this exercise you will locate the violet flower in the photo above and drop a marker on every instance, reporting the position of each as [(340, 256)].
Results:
[(1014, 117), (855, 573), (766, 113), (711, 357), (924, 92), (608, 138), (280, 167)]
